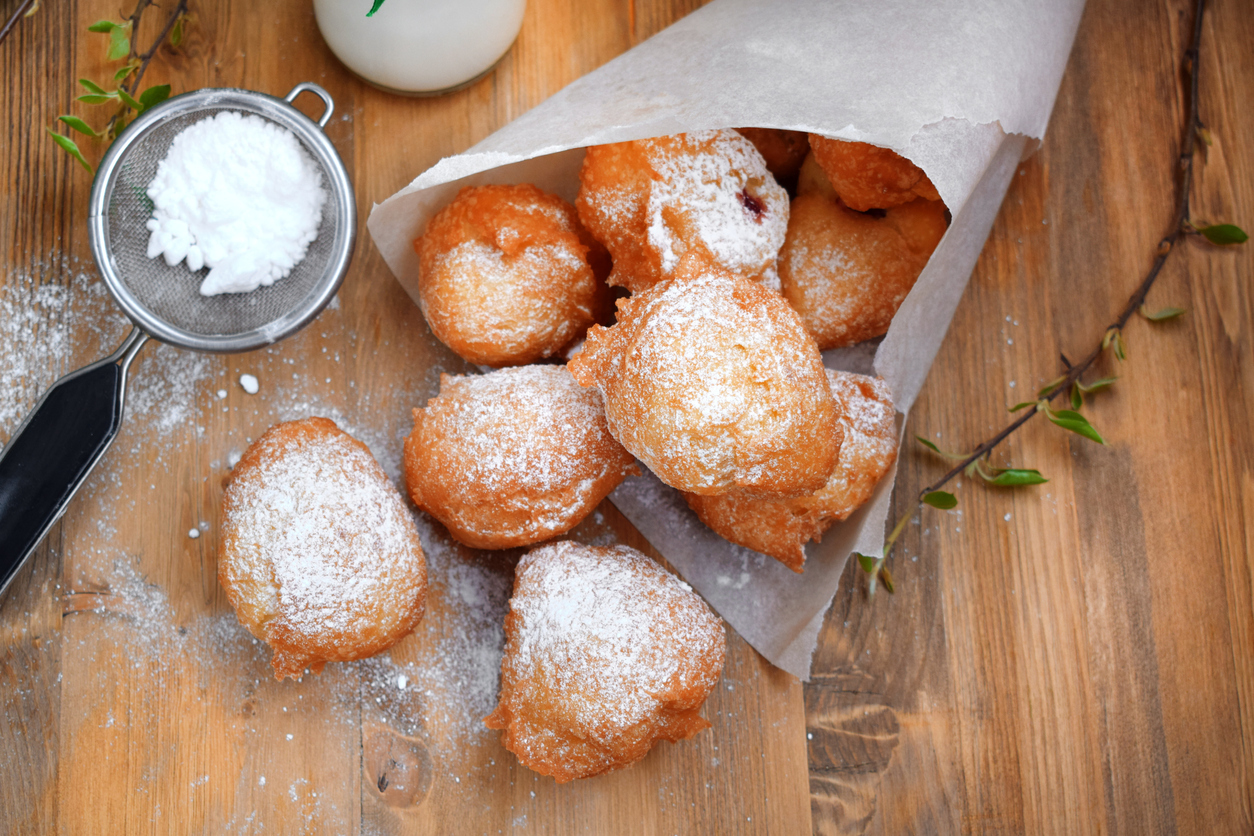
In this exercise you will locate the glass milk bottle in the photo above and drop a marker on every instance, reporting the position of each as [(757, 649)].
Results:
[(420, 47)]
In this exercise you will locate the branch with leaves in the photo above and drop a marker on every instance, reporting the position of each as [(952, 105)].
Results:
[(1071, 383), (125, 96)]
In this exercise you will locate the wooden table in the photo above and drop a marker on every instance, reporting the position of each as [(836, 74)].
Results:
[(1072, 658)]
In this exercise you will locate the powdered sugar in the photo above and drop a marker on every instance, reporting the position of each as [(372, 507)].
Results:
[(615, 635), (318, 528), (737, 386), (715, 184), (239, 195), (606, 628), (514, 456)]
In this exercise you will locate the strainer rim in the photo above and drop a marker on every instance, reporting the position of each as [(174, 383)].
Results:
[(312, 138)]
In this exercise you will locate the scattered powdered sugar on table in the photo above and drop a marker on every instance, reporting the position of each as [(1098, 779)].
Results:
[(238, 194), (51, 322)]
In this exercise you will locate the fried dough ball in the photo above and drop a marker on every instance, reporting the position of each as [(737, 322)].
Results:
[(706, 194), (781, 527), (847, 273), (711, 380), (320, 557), (512, 457), (813, 180), (605, 654), (869, 177), (509, 276), (782, 150)]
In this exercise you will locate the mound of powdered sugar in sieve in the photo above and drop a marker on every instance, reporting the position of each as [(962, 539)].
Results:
[(239, 195)]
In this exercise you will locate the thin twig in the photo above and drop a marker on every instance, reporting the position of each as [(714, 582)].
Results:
[(144, 58), (14, 18), (1165, 248)]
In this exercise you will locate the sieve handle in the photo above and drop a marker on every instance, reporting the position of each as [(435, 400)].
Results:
[(320, 93), (51, 454)]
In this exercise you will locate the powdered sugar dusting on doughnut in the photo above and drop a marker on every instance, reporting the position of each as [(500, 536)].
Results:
[(734, 204), (612, 632), (711, 381), (522, 453), (499, 449), (325, 527)]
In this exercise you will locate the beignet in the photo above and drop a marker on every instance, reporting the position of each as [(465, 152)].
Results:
[(320, 557), (605, 654)]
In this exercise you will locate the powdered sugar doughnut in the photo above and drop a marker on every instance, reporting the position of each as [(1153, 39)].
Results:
[(706, 194), (711, 380), (869, 177), (781, 527), (508, 275), (605, 654), (320, 557), (512, 457), (847, 273)]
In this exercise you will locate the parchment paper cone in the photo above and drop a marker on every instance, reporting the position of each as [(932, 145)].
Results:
[(963, 89)]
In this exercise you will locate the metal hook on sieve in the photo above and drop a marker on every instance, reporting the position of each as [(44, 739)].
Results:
[(51, 454)]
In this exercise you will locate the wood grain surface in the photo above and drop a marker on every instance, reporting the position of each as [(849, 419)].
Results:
[(1072, 658)]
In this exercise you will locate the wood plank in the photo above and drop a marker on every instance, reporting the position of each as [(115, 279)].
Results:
[(1075, 657)]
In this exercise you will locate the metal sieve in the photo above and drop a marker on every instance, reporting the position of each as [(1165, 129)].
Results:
[(55, 448)]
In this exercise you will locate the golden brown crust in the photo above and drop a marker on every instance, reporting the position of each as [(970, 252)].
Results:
[(782, 150), (706, 195), (605, 654), (508, 275), (847, 273), (781, 527), (320, 557), (512, 457), (712, 382), (869, 177)]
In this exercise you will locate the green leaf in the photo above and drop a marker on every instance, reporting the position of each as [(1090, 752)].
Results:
[(1224, 234), (1160, 315), (119, 43), (79, 125), (95, 99), (1020, 406), (929, 445), (176, 33), (957, 457), (91, 86), (1204, 135), (1076, 423), (866, 562), (123, 72), (102, 26), (374, 8), (941, 499), (1100, 383), (886, 578), (71, 147), (1048, 387), (1121, 350), (129, 101), (1014, 477), (154, 95), (1077, 400)]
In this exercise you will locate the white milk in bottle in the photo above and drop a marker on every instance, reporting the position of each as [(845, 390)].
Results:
[(420, 46)]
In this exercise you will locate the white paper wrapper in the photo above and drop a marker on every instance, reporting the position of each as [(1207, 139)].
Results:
[(963, 89)]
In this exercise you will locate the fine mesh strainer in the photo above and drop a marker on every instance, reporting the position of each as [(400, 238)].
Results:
[(50, 455)]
